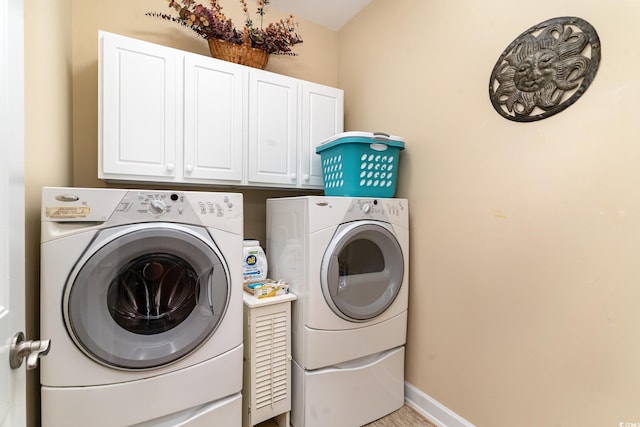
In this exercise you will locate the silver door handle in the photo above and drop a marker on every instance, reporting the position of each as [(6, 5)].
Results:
[(32, 350)]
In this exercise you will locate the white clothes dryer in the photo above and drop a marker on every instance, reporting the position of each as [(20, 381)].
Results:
[(347, 261), (141, 296)]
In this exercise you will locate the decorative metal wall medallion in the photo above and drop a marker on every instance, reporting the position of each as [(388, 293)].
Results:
[(545, 70)]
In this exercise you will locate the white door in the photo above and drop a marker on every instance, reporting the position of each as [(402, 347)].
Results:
[(12, 381)]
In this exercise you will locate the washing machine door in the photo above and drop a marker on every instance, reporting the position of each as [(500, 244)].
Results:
[(147, 295), (362, 270)]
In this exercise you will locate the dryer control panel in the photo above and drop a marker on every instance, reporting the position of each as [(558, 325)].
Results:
[(378, 209), (370, 207)]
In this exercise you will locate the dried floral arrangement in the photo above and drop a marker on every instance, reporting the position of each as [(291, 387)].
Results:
[(211, 23)]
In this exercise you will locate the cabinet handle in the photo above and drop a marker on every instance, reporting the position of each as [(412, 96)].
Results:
[(189, 168), (293, 176), (170, 167), (306, 177)]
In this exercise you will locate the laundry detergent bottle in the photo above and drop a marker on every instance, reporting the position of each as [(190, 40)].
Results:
[(254, 262)]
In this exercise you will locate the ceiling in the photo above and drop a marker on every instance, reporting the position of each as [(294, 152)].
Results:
[(332, 14)]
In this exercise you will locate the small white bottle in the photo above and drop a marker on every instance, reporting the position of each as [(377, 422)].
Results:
[(254, 261)]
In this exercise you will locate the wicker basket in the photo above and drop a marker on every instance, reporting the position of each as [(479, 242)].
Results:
[(239, 54)]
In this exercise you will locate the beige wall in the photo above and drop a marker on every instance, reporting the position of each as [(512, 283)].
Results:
[(525, 285)]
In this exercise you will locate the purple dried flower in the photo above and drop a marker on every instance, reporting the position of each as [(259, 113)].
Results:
[(211, 23)]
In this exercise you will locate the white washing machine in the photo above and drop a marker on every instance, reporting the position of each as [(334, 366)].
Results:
[(347, 261), (141, 296)]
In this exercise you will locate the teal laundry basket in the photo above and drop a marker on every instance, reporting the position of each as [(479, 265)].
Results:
[(360, 164)]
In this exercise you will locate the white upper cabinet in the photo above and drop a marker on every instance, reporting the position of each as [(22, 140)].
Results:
[(273, 129), (322, 117), (213, 119), (138, 99), (172, 116)]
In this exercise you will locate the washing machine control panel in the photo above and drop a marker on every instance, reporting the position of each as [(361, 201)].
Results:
[(123, 206), (154, 203), (174, 205), (185, 207), (157, 207)]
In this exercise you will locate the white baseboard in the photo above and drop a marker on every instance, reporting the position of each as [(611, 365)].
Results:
[(435, 411)]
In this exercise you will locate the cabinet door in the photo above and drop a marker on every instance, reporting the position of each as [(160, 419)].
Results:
[(138, 96), (322, 118), (273, 105), (213, 121)]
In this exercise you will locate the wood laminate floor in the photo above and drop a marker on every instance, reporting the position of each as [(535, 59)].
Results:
[(403, 417)]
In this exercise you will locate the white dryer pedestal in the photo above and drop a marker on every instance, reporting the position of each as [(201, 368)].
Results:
[(350, 394)]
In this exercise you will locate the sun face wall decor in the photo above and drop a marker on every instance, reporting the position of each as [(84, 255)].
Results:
[(545, 70)]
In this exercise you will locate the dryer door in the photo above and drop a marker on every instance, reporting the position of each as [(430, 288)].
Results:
[(147, 295), (362, 270)]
